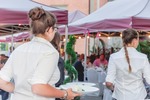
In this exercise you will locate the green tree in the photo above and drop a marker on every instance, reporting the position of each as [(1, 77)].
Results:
[(72, 73), (144, 47)]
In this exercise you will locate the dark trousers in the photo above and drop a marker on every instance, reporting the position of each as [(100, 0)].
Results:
[(4, 94), (80, 77)]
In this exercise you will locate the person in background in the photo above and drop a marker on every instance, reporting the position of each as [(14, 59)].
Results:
[(79, 67), (126, 69), (96, 61), (92, 58), (3, 59), (88, 63), (63, 55), (33, 65), (55, 42), (100, 61), (11, 49)]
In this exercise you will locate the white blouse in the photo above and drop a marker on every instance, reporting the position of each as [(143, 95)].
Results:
[(128, 86), (31, 63)]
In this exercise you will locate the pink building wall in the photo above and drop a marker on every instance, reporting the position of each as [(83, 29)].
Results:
[(103, 2), (86, 6)]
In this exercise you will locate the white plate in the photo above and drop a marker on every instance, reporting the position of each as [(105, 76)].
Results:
[(83, 89), (82, 83), (104, 83)]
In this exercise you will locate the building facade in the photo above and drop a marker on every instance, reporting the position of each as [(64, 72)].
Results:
[(86, 6)]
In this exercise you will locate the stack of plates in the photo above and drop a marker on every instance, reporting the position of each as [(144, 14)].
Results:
[(80, 87)]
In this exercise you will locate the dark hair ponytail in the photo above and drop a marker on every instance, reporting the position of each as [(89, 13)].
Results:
[(127, 36), (127, 57)]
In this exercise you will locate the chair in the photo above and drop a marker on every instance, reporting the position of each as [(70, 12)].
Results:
[(92, 76), (107, 95), (101, 80)]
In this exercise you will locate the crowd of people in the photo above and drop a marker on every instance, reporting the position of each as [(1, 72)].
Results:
[(93, 61)]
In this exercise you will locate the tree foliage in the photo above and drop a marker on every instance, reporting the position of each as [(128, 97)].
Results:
[(72, 73), (144, 47)]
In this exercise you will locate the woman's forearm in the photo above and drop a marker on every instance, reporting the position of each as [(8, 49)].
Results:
[(6, 86), (49, 91)]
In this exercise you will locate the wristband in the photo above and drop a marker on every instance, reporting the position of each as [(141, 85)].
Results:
[(65, 95)]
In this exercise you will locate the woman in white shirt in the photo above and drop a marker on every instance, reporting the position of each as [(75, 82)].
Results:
[(127, 68), (33, 65)]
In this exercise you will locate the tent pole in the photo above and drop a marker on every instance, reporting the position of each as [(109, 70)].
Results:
[(85, 52), (12, 42), (66, 38), (85, 48)]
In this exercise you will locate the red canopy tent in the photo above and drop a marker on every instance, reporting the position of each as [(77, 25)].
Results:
[(19, 37), (14, 12)]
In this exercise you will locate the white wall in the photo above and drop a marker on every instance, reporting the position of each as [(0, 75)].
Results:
[(115, 42), (80, 46)]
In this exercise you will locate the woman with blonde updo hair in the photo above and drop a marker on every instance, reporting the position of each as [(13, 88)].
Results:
[(33, 65), (126, 69)]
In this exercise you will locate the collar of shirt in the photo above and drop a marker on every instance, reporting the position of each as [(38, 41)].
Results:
[(128, 48), (42, 40)]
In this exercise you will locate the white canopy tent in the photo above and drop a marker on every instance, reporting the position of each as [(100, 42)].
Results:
[(115, 16), (75, 15), (72, 17)]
